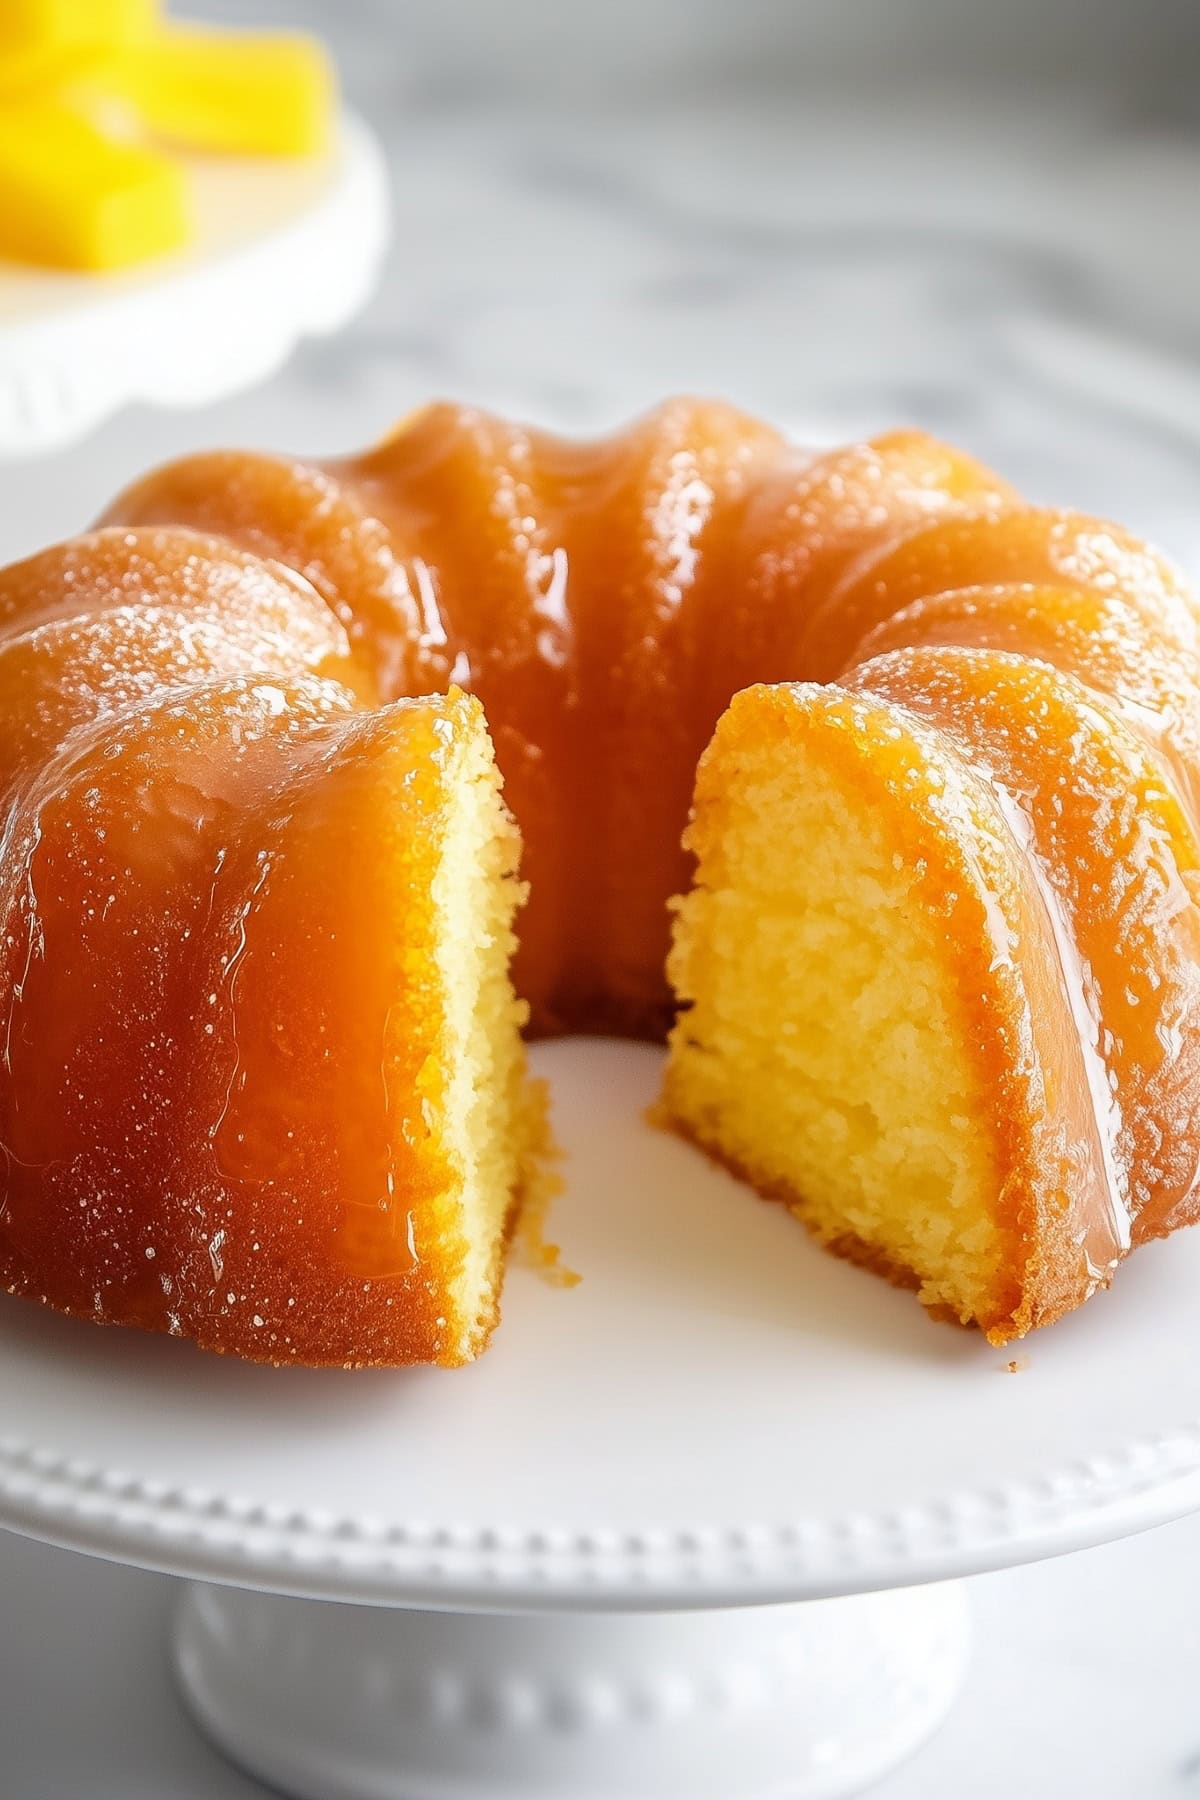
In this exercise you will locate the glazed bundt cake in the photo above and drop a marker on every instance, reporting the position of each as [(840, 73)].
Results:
[(960, 1033), (603, 600), (936, 959), (261, 1080)]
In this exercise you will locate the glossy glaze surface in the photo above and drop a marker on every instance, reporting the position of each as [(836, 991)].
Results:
[(221, 1026), (1115, 864), (604, 601)]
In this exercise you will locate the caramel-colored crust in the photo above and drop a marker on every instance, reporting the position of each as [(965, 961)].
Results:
[(846, 1245), (605, 602), (851, 1248), (1004, 991), (220, 1057), (1121, 857), (177, 1159)]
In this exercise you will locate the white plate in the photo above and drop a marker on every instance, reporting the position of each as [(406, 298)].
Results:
[(719, 1411), (284, 247)]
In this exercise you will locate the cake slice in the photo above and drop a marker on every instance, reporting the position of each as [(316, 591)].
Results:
[(265, 1086), (885, 1023)]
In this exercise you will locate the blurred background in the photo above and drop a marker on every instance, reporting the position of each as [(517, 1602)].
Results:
[(844, 214)]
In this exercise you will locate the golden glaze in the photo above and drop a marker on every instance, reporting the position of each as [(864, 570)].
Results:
[(1083, 799), (604, 601), (216, 1048), (1006, 995)]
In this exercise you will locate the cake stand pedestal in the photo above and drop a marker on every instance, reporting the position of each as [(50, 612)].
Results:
[(696, 1526), (332, 1702)]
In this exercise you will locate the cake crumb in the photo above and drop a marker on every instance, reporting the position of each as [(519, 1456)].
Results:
[(541, 1185)]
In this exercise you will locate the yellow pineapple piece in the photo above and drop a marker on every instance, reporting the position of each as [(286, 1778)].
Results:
[(46, 67), (62, 24), (73, 197), (45, 44), (77, 193), (251, 94)]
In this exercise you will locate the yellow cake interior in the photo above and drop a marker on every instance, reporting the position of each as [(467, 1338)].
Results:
[(487, 1123), (818, 1052)]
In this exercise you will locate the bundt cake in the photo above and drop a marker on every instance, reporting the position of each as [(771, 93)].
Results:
[(935, 970), (261, 1079), (603, 600)]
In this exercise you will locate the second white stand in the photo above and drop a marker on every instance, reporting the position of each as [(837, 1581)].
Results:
[(284, 247)]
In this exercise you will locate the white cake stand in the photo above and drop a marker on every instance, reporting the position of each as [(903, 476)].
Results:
[(666, 1539), (284, 248)]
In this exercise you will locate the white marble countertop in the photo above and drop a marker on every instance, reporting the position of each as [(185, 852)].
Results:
[(1015, 269)]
